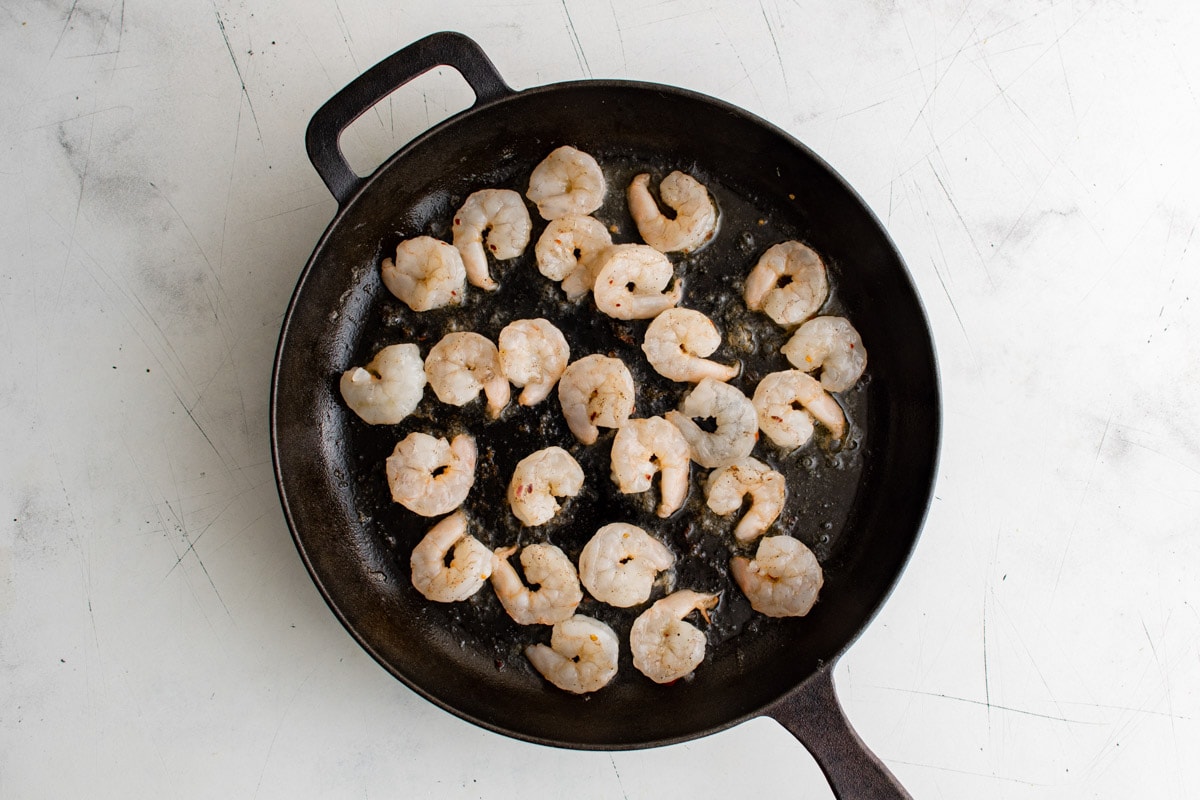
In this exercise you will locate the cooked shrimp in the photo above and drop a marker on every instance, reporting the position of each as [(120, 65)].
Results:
[(788, 283), (568, 181), (462, 364), (533, 354), (665, 648), (426, 273), (388, 388), (469, 568), (695, 219), (677, 342), (631, 281), (538, 479), (645, 446), (582, 656), (546, 567), (501, 213), (832, 345), (568, 249), (737, 423), (787, 402), (619, 564), (595, 391), (728, 486), (431, 476), (783, 579)]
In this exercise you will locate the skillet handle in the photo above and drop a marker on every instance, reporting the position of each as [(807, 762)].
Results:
[(446, 48), (813, 715)]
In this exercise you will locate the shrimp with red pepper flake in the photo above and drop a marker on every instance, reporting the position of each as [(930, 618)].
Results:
[(538, 479), (502, 215), (426, 273), (631, 282), (595, 392)]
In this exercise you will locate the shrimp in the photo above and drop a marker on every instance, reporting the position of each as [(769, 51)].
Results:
[(431, 476), (568, 249), (566, 182), (695, 219), (595, 391), (645, 446), (832, 345), (546, 567), (783, 579), (776, 400), (462, 364), (630, 282), (469, 567), (619, 564), (538, 479), (767, 488), (388, 388), (582, 656), (788, 283), (501, 213), (533, 354), (665, 648), (737, 423), (427, 273), (676, 343)]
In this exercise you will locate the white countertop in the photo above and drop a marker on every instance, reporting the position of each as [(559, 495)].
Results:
[(1036, 165)]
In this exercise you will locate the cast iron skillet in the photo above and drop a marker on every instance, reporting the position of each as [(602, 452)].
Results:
[(859, 506)]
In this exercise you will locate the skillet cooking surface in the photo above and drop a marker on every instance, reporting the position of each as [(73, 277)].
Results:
[(858, 506)]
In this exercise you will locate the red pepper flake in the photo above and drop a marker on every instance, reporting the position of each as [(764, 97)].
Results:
[(457, 221)]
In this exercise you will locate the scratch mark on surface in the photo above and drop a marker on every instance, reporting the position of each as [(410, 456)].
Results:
[(579, 54), (617, 772), (778, 55), (1079, 506), (238, 70), (195, 241), (997, 707), (961, 219), (65, 27), (620, 37)]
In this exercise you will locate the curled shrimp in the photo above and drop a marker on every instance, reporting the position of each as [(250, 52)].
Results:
[(501, 214), (729, 485), (469, 568), (461, 365), (782, 580), (388, 388), (787, 402), (737, 423), (595, 391), (582, 656), (619, 564), (568, 181), (631, 281), (538, 479), (665, 648), (645, 446), (568, 250), (546, 567), (533, 354), (695, 219), (676, 343), (426, 273), (832, 345), (788, 283), (430, 476)]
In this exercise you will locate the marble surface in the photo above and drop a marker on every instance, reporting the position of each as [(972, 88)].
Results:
[(1035, 162)]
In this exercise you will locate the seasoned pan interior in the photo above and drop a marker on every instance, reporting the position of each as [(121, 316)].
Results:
[(857, 505)]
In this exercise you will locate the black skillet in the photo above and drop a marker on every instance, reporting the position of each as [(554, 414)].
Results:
[(859, 504)]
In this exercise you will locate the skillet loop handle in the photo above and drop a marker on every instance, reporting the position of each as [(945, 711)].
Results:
[(438, 49), (813, 715)]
